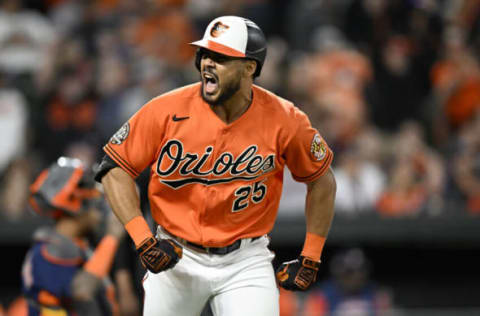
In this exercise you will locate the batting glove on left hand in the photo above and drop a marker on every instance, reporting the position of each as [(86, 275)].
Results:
[(298, 274)]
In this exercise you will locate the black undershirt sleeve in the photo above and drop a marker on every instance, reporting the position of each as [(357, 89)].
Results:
[(105, 166)]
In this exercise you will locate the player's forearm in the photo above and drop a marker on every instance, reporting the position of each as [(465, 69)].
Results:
[(122, 195), (319, 214), (300, 274), (320, 200), (121, 192)]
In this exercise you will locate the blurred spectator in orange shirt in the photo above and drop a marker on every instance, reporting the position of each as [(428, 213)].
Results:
[(336, 65), (405, 195), (360, 179), (70, 114), (456, 85), (338, 116), (163, 32), (466, 164), (416, 173), (334, 79), (111, 7)]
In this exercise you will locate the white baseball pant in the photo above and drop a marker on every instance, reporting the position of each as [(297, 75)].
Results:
[(239, 283)]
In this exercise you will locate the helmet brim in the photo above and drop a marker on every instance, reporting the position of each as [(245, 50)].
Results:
[(218, 48)]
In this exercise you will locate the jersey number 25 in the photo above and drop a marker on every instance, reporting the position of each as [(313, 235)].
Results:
[(253, 192)]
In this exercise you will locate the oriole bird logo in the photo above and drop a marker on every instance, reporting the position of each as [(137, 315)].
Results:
[(218, 29)]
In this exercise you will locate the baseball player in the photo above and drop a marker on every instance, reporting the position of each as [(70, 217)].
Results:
[(61, 275), (216, 151)]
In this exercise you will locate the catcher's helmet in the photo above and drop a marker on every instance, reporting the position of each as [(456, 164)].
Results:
[(236, 37), (63, 188)]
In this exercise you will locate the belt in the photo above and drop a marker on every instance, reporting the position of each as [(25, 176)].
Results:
[(210, 250)]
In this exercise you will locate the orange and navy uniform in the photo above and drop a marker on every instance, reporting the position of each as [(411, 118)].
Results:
[(330, 299), (48, 271), (212, 183)]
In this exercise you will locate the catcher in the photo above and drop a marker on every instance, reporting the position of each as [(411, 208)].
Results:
[(216, 150), (61, 275)]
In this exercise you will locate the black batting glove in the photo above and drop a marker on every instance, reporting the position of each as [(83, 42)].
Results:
[(159, 255), (298, 274)]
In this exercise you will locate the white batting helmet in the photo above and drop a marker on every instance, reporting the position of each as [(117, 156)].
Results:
[(236, 37)]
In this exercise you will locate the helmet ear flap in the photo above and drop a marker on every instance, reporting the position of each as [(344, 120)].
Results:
[(198, 57)]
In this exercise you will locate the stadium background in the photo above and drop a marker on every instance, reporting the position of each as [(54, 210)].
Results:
[(393, 86)]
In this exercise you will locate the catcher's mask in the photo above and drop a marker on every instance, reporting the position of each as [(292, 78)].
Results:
[(65, 188), (236, 37)]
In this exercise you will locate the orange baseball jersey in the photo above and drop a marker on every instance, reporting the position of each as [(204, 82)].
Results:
[(210, 182)]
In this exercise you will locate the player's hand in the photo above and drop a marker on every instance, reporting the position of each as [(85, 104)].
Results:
[(158, 256), (298, 274)]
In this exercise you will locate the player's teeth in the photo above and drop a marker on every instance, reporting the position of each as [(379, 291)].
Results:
[(209, 77)]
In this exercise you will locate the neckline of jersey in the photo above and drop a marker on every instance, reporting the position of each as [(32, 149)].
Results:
[(225, 125)]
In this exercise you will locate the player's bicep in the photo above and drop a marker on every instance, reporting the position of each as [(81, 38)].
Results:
[(324, 187), (105, 166), (307, 155)]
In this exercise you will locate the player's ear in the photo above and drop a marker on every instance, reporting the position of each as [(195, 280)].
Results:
[(250, 67)]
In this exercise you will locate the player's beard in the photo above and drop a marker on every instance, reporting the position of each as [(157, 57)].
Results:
[(226, 92)]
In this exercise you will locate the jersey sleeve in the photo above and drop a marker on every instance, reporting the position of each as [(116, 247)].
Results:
[(133, 147), (307, 155)]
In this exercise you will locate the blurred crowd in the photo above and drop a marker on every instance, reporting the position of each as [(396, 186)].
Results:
[(393, 86)]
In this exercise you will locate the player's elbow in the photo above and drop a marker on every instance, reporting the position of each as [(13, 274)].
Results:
[(330, 181)]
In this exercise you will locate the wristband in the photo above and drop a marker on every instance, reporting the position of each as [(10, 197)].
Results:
[(138, 230), (100, 262), (313, 246)]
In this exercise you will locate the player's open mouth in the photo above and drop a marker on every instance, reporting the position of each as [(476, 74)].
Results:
[(210, 82)]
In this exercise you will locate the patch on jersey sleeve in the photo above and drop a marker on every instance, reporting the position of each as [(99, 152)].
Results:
[(121, 134), (318, 148)]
